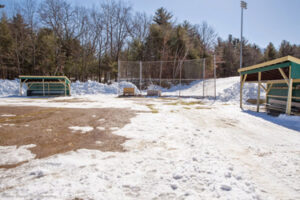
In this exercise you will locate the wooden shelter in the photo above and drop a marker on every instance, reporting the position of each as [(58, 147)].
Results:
[(46, 85), (282, 84)]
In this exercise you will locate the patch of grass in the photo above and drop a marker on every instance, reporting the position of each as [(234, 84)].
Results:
[(200, 107), (185, 103), (187, 108), (191, 103), (151, 107), (172, 104), (254, 101)]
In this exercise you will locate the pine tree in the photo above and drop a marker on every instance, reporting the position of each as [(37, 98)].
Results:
[(286, 49), (270, 52), (162, 17)]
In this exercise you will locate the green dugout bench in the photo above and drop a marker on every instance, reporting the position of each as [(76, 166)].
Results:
[(46, 85), (282, 84)]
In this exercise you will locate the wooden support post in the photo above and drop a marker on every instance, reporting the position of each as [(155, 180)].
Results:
[(21, 85), (241, 92), (284, 76), (290, 93), (160, 73), (43, 87), (289, 99), (242, 81), (203, 74), (65, 88), (215, 77), (258, 91), (141, 76), (69, 86), (269, 88), (263, 87)]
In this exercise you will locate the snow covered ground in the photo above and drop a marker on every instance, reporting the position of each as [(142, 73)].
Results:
[(186, 149)]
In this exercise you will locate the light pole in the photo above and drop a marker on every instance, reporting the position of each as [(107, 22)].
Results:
[(243, 6)]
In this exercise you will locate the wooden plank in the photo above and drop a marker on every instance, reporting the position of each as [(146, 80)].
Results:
[(289, 99), (283, 81), (43, 88), (65, 89), (282, 97), (271, 62), (263, 87), (69, 86), (282, 88), (128, 91), (281, 102), (258, 91), (284, 76), (269, 88), (242, 81), (21, 85)]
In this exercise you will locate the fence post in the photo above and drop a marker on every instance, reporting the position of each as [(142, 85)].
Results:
[(180, 78), (118, 79), (21, 86), (203, 77), (43, 87), (160, 72), (141, 69), (215, 81)]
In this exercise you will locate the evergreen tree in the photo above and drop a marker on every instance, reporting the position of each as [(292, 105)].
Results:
[(162, 17), (286, 49), (270, 52)]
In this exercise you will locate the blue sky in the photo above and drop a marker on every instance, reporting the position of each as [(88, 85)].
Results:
[(264, 21)]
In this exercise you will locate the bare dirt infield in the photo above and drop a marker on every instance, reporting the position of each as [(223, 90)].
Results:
[(48, 129)]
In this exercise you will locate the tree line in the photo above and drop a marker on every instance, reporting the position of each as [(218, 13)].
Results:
[(54, 37)]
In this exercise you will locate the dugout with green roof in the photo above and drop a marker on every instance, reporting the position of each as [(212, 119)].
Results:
[(282, 83), (46, 85)]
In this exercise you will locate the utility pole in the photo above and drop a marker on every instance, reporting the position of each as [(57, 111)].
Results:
[(243, 6)]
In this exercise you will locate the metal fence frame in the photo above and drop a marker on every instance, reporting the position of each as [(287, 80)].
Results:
[(140, 79)]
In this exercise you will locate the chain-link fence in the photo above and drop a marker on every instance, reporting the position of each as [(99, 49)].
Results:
[(194, 78)]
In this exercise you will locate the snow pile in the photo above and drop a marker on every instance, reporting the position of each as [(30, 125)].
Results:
[(10, 87), (228, 89), (93, 87)]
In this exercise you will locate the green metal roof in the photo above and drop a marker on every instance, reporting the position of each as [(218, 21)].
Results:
[(64, 78), (275, 64)]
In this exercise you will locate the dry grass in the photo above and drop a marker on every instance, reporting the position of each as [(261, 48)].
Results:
[(254, 101), (73, 100), (201, 107), (184, 103), (152, 108)]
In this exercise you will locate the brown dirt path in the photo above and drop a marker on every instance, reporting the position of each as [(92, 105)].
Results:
[(48, 129)]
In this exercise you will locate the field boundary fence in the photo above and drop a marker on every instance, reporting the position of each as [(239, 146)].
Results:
[(180, 78)]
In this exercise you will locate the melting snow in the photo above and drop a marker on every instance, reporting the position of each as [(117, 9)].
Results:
[(82, 129), (13, 154)]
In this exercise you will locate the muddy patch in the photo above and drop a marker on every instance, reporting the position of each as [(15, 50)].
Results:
[(49, 129)]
